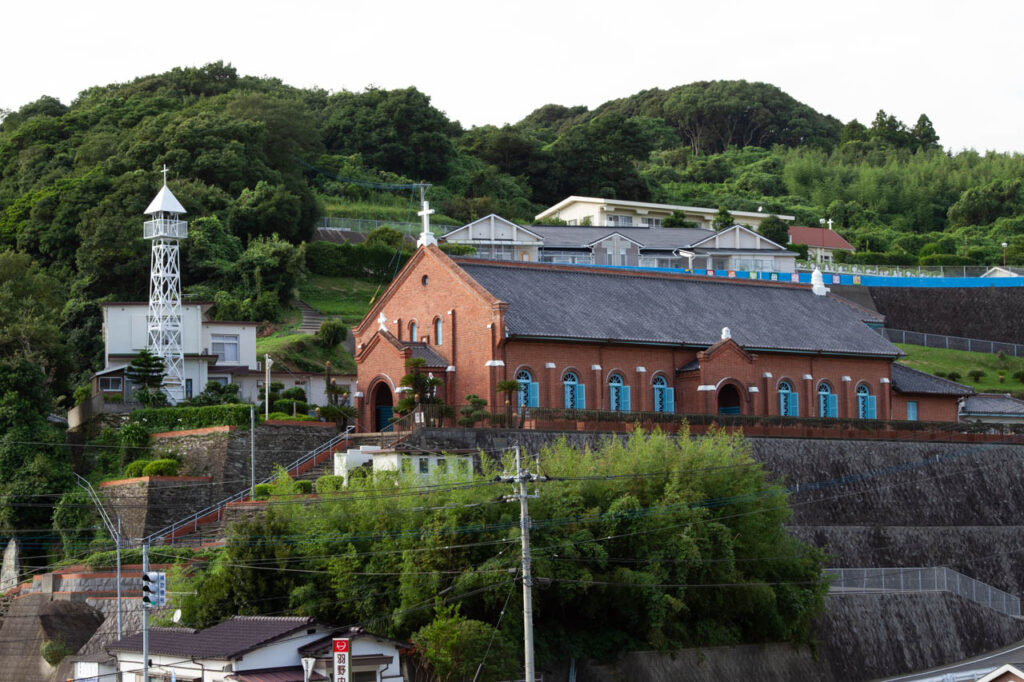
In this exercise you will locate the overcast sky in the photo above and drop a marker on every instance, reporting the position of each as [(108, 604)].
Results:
[(483, 62)]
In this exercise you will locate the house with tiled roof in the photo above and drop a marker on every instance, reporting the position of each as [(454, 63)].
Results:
[(992, 408), (257, 649), (822, 242), (597, 211), (627, 341), (737, 248)]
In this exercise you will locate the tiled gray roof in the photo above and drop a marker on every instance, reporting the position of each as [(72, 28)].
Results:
[(231, 638), (657, 238), (431, 356), (908, 380), (992, 404), (603, 305)]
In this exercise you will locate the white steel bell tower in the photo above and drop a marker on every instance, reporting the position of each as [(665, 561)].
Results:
[(165, 228)]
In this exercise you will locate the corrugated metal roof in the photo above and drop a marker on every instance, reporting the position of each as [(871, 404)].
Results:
[(605, 305)]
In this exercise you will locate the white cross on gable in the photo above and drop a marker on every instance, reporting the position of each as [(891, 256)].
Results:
[(426, 237), (830, 223), (382, 322), (164, 171)]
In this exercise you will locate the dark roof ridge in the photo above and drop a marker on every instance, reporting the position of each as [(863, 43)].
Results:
[(276, 619), (629, 271)]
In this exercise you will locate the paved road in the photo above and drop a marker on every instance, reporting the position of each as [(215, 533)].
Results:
[(970, 669)]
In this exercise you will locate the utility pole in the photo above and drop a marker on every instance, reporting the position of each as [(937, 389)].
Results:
[(521, 477), (252, 451), (145, 616), (118, 541), (266, 386)]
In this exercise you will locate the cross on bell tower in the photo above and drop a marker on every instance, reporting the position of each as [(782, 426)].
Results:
[(427, 237), (164, 326)]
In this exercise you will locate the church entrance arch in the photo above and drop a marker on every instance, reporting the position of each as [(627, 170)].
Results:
[(728, 400), (383, 407)]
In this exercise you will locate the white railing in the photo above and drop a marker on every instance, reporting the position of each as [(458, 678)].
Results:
[(366, 225), (582, 259), (168, 534), (930, 579), (896, 270), (161, 227)]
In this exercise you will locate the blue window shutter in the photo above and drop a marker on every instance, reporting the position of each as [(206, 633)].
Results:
[(533, 395), (794, 404), (670, 400), (822, 404), (912, 411), (624, 392), (581, 397), (613, 394), (833, 405), (871, 414)]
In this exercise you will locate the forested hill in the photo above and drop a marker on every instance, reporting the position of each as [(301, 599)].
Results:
[(256, 161)]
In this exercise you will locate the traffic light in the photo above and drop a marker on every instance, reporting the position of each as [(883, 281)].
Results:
[(154, 589)]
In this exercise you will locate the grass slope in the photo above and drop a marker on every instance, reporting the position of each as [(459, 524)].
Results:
[(346, 297), (940, 360)]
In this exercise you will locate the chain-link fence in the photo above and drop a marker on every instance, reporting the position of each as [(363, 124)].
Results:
[(932, 579), (953, 342)]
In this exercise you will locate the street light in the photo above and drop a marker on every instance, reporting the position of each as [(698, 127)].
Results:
[(1004, 254)]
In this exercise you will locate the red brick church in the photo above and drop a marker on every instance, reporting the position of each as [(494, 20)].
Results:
[(626, 340)]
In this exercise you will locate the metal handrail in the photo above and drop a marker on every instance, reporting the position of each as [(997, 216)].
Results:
[(244, 493)]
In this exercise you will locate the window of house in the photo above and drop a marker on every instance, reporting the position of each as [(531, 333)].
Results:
[(111, 384), (618, 394), (865, 403), (412, 332), (789, 400), (424, 465), (912, 411), (188, 389), (529, 393), (223, 381), (437, 332), (651, 222), (664, 396), (620, 220), (406, 465), (828, 402), (575, 393), (225, 347), (442, 465)]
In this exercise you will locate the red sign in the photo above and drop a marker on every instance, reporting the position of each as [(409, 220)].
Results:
[(341, 660)]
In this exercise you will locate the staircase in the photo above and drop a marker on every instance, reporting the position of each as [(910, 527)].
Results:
[(311, 319)]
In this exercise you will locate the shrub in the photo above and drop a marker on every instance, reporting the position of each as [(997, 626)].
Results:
[(132, 435), (53, 651), (287, 416), (261, 491), (976, 375), (332, 332), (1019, 375), (135, 469), (940, 374), (295, 393), (330, 484), (954, 376), (304, 487), (161, 467), (374, 263), (82, 393), (286, 406)]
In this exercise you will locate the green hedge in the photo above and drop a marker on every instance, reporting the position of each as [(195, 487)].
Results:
[(354, 260), (261, 491), (285, 405), (135, 469), (157, 419)]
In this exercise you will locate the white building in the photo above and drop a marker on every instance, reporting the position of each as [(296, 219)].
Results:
[(214, 351), (620, 213), (419, 464), (252, 649)]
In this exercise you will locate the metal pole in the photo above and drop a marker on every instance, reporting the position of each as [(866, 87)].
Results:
[(267, 362), (145, 618), (252, 451), (118, 541), (524, 525)]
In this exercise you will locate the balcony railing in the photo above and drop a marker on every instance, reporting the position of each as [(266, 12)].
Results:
[(161, 228), (896, 270)]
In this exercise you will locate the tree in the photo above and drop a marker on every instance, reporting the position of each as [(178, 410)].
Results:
[(146, 370), (422, 387), (453, 646), (775, 229), (386, 236), (723, 219), (678, 219), (924, 135)]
